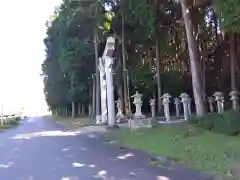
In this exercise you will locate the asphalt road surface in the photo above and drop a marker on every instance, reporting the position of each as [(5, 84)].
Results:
[(41, 150)]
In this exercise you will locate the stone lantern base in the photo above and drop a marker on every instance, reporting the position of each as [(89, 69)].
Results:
[(120, 117), (139, 116)]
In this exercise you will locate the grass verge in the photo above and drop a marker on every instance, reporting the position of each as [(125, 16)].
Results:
[(11, 124), (74, 123), (200, 149)]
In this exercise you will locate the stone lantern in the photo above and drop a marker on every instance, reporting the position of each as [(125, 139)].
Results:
[(220, 100), (177, 103), (119, 115), (166, 101), (185, 100), (138, 105), (211, 101), (153, 107), (234, 98)]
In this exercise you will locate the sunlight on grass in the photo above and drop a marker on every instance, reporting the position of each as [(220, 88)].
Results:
[(9, 123), (73, 123), (203, 150)]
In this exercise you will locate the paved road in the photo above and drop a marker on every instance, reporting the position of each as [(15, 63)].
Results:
[(40, 150)]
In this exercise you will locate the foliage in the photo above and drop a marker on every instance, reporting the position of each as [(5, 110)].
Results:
[(228, 11), (69, 62), (226, 123), (70, 56), (170, 78), (200, 149)]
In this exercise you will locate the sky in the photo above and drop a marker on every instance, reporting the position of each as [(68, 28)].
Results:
[(22, 52)]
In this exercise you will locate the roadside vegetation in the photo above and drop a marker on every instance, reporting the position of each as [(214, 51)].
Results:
[(210, 143), (73, 123)]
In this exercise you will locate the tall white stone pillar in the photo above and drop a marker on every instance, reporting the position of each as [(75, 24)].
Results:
[(103, 91), (110, 91)]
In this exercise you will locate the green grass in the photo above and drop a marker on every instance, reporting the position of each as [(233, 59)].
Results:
[(73, 123), (202, 150), (12, 122)]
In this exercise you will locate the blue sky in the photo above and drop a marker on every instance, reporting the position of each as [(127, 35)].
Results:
[(22, 52)]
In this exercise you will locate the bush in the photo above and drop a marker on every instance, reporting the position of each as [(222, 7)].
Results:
[(13, 123), (229, 123), (226, 123), (18, 118), (206, 122)]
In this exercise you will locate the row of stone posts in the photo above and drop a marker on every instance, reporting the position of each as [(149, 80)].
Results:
[(219, 98), (183, 99), (137, 101)]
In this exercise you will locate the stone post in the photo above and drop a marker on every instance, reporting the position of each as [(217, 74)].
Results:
[(185, 99), (211, 101), (119, 115), (166, 101), (234, 98), (83, 110), (138, 105), (177, 106), (220, 100), (153, 108), (152, 121), (89, 109), (189, 106)]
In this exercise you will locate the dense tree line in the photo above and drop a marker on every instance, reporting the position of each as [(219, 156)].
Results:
[(193, 44)]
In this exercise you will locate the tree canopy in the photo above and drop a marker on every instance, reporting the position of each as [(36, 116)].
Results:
[(69, 66)]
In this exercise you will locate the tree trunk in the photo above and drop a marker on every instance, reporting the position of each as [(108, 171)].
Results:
[(159, 88), (158, 77), (98, 110), (66, 111), (194, 60), (120, 93), (125, 85), (73, 103), (73, 109), (232, 62), (94, 95), (79, 110), (83, 110), (150, 69), (204, 76)]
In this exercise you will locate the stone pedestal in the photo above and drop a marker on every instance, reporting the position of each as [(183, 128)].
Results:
[(89, 109), (138, 105), (177, 103), (153, 108), (119, 115), (211, 101), (234, 98), (220, 101), (166, 100), (185, 100)]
